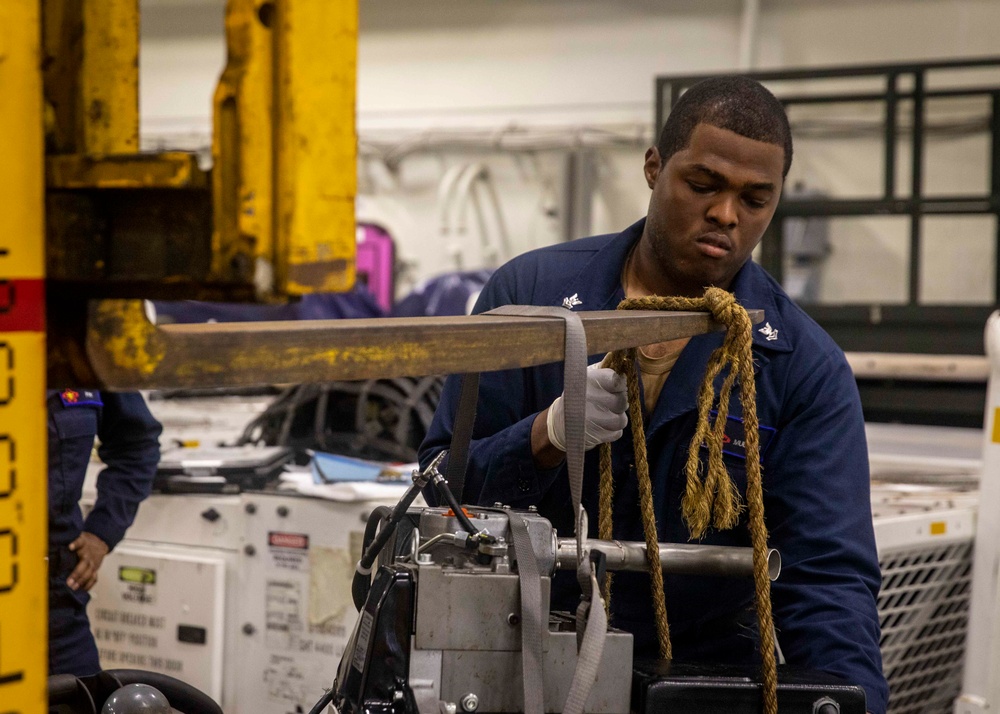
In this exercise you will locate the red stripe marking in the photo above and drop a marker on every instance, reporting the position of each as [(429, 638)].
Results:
[(22, 305)]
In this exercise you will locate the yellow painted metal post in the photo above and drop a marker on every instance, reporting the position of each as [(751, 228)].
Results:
[(23, 524), (243, 149), (316, 144), (109, 78)]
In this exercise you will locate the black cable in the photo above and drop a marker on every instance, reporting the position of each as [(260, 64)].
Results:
[(378, 514), (442, 487), (362, 574), (324, 701), (362, 581), (398, 511)]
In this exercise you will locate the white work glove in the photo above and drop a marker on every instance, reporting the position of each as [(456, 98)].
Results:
[(606, 410)]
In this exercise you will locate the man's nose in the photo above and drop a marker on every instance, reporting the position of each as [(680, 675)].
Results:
[(723, 211)]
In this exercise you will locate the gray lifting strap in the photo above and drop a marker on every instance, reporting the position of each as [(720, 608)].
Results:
[(532, 617), (591, 640), (589, 658)]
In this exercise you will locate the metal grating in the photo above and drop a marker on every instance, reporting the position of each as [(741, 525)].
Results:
[(924, 609)]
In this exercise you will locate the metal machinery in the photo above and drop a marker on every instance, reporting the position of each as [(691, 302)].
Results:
[(243, 596), (462, 597), (92, 228)]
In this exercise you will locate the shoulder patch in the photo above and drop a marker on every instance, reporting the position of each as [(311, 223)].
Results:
[(80, 398)]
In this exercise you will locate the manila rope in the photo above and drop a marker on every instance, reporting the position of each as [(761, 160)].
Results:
[(714, 500)]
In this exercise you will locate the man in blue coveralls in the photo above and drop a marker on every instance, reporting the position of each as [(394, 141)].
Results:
[(716, 176), (130, 448)]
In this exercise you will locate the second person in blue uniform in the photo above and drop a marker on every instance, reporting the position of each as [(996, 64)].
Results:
[(130, 449)]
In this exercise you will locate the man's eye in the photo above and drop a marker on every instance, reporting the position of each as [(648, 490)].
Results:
[(700, 187), (755, 202)]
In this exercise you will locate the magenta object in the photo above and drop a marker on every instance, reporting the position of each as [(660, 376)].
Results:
[(375, 263)]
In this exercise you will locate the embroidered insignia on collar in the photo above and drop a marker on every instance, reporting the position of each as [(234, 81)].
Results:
[(572, 301), (769, 332)]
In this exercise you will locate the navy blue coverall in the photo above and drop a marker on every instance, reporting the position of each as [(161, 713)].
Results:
[(815, 470), (130, 448)]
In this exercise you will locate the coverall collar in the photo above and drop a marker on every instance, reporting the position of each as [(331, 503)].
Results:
[(753, 288)]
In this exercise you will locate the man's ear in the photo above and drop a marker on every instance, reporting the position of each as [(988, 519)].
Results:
[(653, 166)]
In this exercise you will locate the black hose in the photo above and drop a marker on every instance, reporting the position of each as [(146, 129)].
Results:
[(378, 514), (373, 544), (324, 701), (398, 511), (359, 589), (362, 581), (362, 574), (442, 487)]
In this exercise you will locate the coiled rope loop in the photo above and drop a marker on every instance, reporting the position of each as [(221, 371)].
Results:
[(711, 499)]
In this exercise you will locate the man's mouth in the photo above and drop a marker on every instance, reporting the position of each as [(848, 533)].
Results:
[(715, 245)]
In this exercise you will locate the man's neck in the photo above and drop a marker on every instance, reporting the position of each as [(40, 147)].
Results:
[(640, 277), (634, 286)]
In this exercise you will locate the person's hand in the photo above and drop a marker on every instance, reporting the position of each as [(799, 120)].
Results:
[(91, 551), (606, 411)]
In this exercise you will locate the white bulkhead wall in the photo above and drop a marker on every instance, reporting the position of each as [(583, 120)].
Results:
[(465, 76)]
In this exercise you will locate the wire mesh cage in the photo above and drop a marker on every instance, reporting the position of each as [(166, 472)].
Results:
[(925, 527), (924, 610)]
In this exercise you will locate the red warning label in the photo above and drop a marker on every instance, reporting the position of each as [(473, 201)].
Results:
[(277, 539)]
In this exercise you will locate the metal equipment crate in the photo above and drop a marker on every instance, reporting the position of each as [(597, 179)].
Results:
[(925, 536)]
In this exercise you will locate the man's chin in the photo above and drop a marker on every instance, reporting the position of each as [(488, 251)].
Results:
[(709, 279)]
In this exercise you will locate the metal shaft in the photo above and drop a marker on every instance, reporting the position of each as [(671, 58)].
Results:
[(676, 558)]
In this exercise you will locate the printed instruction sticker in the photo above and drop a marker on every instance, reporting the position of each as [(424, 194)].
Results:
[(283, 614), (361, 646)]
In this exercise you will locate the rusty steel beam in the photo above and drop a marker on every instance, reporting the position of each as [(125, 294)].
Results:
[(130, 225), (167, 170), (126, 351), (154, 240)]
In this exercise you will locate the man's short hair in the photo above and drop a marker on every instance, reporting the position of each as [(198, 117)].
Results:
[(735, 103)]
